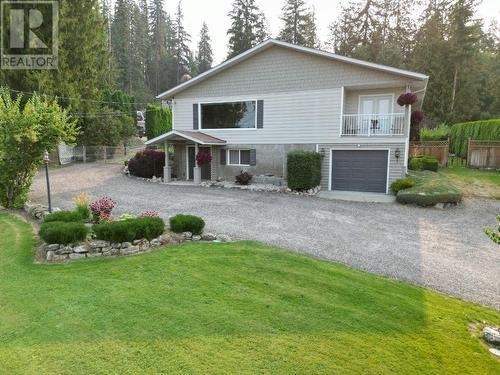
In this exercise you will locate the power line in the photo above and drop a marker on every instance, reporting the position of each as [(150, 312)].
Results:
[(73, 98)]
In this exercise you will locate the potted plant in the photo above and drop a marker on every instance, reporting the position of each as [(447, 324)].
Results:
[(408, 98)]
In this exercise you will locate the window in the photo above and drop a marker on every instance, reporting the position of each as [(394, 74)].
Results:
[(234, 115), (239, 157)]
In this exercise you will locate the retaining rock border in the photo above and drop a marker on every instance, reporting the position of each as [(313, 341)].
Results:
[(98, 248)]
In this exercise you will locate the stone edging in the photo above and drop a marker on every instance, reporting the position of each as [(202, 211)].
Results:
[(97, 248)]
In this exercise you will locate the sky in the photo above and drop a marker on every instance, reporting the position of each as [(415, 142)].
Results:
[(214, 13)]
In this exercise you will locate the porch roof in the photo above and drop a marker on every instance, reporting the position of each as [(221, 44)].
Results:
[(186, 135)]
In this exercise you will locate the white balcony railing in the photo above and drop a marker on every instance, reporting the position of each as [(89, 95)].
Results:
[(374, 124)]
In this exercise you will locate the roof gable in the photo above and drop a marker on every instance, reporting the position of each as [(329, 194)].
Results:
[(270, 43)]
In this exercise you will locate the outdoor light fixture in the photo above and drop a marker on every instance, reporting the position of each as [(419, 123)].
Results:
[(397, 153), (46, 160)]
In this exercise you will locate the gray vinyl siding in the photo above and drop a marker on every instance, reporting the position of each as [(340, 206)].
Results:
[(396, 166), (280, 69)]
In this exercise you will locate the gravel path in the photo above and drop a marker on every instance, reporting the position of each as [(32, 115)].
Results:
[(445, 250)]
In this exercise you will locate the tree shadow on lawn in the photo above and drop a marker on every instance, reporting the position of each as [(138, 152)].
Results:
[(238, 289)]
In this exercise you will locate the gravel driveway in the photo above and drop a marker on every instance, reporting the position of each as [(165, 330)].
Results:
[(445, 250)]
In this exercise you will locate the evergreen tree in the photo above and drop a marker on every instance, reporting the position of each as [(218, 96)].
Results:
[(248, 27), (121, 35), (294, 18), (310, 31), (182, 53), (158, 29), (204, 57)]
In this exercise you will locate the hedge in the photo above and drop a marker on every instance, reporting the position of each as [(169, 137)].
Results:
[(402, 184), (441, 133), (129, 230), (66, 216), (429, 195), (158, 121), (477, 130), (303, 169), (423, 163), (187, 223), (58, 232)]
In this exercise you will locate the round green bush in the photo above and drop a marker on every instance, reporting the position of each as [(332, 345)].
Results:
[(423, 163), (187, 223), (66, 216), (58, 232), (401, 184), (130, 229)]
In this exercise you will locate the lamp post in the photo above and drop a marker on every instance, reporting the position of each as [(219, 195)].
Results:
[(46, 160)]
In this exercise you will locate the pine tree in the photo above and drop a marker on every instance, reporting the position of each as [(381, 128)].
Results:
[(182, 53), (310, 31), (294, 18), (248, 27), (158, 30), (121, 35), (204, 57)]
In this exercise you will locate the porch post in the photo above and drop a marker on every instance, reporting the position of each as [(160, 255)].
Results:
[(167, 170), (407, 141), (197, 169)]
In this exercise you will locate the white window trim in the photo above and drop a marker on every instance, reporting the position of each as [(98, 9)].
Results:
[(226, 101), (228, 158), (361, 97)]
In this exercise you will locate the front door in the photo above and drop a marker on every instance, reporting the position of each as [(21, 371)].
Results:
[(206, 170)]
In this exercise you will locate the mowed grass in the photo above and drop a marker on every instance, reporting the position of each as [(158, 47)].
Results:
[(474, 182), (235, 308)]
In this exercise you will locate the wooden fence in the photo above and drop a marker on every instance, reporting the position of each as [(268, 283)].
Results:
[(438, 149), (483, 154)]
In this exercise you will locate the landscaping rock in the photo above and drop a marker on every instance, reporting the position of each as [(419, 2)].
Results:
[(64, 250), (50, 256), (136, 242), (108, 251), (495, 352), (208, 237), (99, 243), (165, 239), (155, 243), (80, 249), (52, 247), (94, 255), (59, 257), (74, 256), (130, 250), (491, 335), (187, 235), (224, 238), (196, 238), (126, 245), (116, 245)]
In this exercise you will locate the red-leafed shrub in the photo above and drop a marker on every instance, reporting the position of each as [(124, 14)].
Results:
[(203, 158), (417, 117), (147, 163), (407, 98), (101, 209)]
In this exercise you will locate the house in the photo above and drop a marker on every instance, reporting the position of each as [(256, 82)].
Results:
[(250, 111)]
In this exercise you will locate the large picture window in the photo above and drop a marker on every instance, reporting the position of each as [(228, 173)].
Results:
[(231, 115)]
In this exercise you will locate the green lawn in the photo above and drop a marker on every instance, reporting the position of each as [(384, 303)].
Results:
[(474, 182), (224, 308)]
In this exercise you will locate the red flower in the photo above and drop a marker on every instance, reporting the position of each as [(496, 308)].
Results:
[(203, 157)]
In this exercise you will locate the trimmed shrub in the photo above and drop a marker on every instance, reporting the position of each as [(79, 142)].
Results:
[(130, 229), (187, 223), (478, 130), (429, 195), (58, 232), (401, 184), (147, 163), (423, 163), (441, 133), (493, 234), (65, 216), (304, 170), (158, 121), (243, 178)]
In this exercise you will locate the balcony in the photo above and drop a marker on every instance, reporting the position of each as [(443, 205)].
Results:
[(388, 124)]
